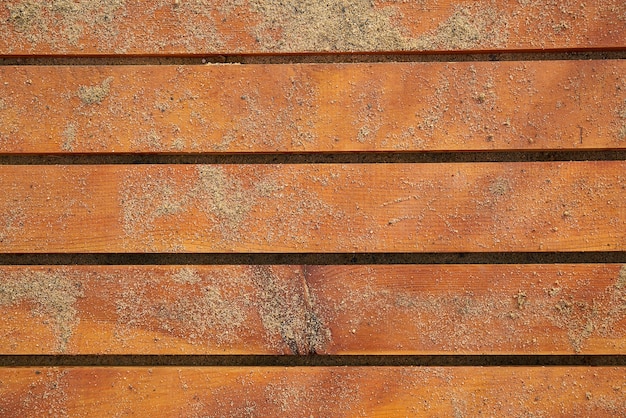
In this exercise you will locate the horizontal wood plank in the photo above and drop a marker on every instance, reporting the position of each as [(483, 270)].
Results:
[(458, 207), (320, 391), (314, 107), (156, 27), (378, 309)]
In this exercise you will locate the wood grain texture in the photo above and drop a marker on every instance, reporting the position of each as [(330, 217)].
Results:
[(314, 107), (320, 391), (379, 309), (155, 27), (458, 207)]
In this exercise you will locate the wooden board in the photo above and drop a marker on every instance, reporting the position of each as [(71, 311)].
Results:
[(323, 391), (314, 107), (379, 309), (458, 207), (138, 27)]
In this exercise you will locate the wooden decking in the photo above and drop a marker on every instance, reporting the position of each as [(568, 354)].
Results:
[(116, 140)]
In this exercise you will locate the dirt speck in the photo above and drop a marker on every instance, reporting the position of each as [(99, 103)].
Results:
[(52, 294), (95, 94)]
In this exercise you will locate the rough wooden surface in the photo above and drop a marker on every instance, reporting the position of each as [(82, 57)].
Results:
[(268, 26), (325, 392), (458, 207), (314, 107), (379, 309)]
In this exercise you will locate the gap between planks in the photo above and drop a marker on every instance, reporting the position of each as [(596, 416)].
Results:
[(83, 259), (314, 158), (251, 360), (327, 58)]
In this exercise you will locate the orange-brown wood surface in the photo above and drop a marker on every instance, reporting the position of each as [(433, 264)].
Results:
[(268, 26), (152, 106), (323, 391), (314, 107), (457, 207), (378, 309)]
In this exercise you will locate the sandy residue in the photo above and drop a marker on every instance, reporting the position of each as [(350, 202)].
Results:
[(500, 186), (229, 207), (69, 137), (186, 275), (227, 203), (334, 25), (369, 117), (291, 124), (621, 133), (621, 279), (470, 26), (223, 307), (314, 392), (12, 221), (365, 25), (201, 308), (61, 22), (197, 19), (146, 200), (460, 106), (583, 318), (51, 293), (95, 94), (44, 393), (288, 313), (337, 395), (433, 319), (223, 197)]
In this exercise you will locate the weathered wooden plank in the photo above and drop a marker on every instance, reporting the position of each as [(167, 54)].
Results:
[(472, 309), (314, 107), (465, 207), (319, 391), (264, 26), (413, 309)]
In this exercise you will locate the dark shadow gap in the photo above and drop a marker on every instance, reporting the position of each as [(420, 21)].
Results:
[(320, 58), (315, 158), (313, 259), (310, 361)]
